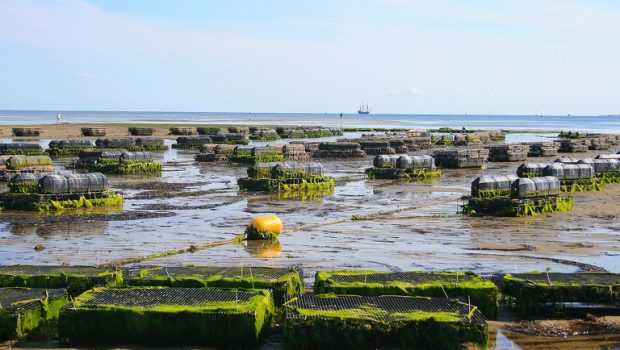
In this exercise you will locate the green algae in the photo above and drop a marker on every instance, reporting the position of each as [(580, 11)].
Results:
[(126, 166), (74, 279), (31, 318), (483, 293), (227, 324), (57, 203), (369, 327), (503, 206), (288, 284), (402, 174)]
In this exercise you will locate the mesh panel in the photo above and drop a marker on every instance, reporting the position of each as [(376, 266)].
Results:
[(389, 304), (582, 278), (267, 273), (151, 297), (413, 277), (53, 270), (12, 299)]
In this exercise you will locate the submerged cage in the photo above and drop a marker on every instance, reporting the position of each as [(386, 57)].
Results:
[(492, 186), (535, 187)]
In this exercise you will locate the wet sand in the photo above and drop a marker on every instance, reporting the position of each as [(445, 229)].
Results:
[(195, 203)]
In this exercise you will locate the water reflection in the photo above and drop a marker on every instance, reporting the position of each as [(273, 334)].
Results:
[(263, 248)]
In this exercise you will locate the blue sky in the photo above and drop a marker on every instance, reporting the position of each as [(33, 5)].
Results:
[(477, 57)]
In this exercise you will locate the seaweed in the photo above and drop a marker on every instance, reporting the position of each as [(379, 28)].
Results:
[(282, 281), (582, 185), (349, 322), (402, 174), (483, 293), (126, 166), (26, 311), (504, 206), (47, 203), (156, 316)]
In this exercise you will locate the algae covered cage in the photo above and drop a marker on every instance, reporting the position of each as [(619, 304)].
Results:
[(282, 281), (483, 293), (26, 310), (77, 279), (354, 322), (161, 316)]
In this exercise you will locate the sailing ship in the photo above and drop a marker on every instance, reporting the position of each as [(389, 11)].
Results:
[(363, 109)]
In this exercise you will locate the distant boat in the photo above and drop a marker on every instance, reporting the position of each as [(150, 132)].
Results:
[(363, 109)]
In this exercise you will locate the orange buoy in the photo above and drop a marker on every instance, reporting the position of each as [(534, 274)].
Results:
[(268, 223)]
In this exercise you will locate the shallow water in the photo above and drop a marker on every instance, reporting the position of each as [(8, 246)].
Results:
[(194, 203)]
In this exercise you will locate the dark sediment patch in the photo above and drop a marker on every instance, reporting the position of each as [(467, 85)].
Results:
[(85, 218)]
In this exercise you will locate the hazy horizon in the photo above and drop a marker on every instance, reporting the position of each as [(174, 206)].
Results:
[(401, 57)]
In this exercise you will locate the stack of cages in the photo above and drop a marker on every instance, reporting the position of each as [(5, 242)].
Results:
[(305, 179), (606, 170), (573, 177), (192, 142), (457, 158), (508, 153), (339, 150), (543, 149), (126, 163), (255, 155), (67, 148), (23, 149), (94, 132), (13, 165), (215, 153), (141, 131), (263, 134), (27, 132), (512, 196), (57, 192), (178, 131), (402, 166)]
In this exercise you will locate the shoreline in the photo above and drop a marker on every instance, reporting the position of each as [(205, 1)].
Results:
[(73, 130)]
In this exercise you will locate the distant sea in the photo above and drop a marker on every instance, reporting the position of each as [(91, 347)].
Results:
[(608, 124)]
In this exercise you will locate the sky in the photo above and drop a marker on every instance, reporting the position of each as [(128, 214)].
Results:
[(399, 56)]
